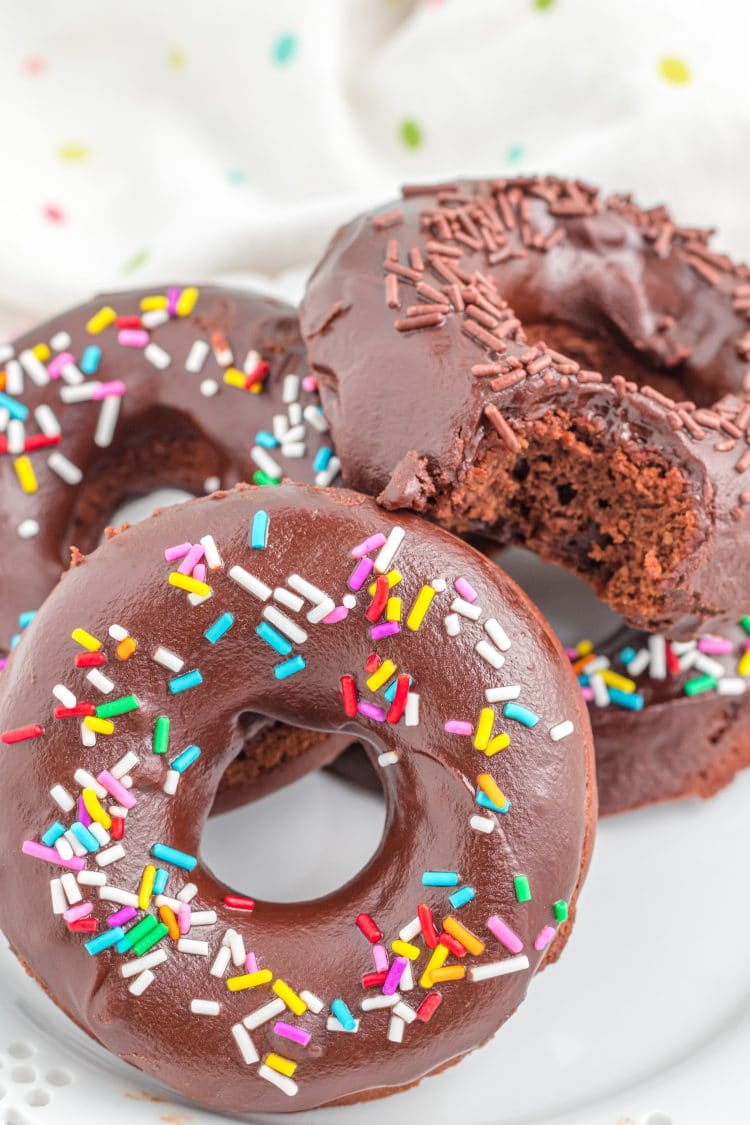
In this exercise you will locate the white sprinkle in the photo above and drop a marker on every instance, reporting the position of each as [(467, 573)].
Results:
[(262, 1015), (561, 730), (143, 964), (117, 633), (481, 823), (497, 634), (64, 695), (62, 797), (410, 930), (107, 421), (294, 434), (88, 736), (195, 948), (4, 419), (688, 659), (167, 900), (111, 855), (205, 1007), (489, 654), (387, 552), (285, 625), (265, 462), (157, 356), (252, 359), (658, 649), (125, 764), (203, 918), (439, 585), (209, 387), (92, 878), (126, 782), (498, 968), (709, 666), (71, 888), (118, 895), (71, 375), (211, 484), (282, 1082), (197, 357), (69, 845), (34, 368), (316, 418), (319, 612), (295, 413), (598, 664), (168, 659), (290, 390), (333, 1025), (466, 609), (314, 1003), (245, 1044), (83, 392), (198, 599), (87, 780), (141, 983), (599, 690), (16, 437), (389, 758), (59, 342), (14, 378), (47, 421), (236, 948), (306, 589), (287, 598), (101, 682), (64, 468), (296, 449), (154, 318), (411, 711), (452, 625), (280, 426), (59, 901), (679, 648), (349, 600), (406, 984), (639, 663), (248, 582), (221, 962), (502, 693), (28, 529), (404, 1012), (187, 893), (326, 476), (396, 1029), (731, 685), (171, 781), (375, 1003), (213, 558), (118, 810), (100, 833)]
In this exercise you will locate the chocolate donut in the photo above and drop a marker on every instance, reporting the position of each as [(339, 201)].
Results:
[(460, 337), (322, 610), (185, 387)]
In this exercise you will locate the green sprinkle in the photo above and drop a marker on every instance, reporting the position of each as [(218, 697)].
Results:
[(543, 5), (259, 477), (152, 938), (522, 888), (161, 735), (745, 623), (410, 133), (117, 707), (138, 259), (560, 910), (137, 933), (700, 684)]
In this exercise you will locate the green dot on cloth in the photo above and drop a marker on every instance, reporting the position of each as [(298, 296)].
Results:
[(138, 259), (543, 5), (284, 49), (514, 153), (236, 176), (410, 133), (675, 70)]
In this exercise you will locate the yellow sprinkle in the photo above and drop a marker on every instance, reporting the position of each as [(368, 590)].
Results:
[(99, 726), (489, 786), (126, 648), (469, 940), (436, 961), (72, 152), (186, 301), (192, 585), (498, 743), (583, 648), (450, 972), (615, 680), (393, 609), (675, 70), (25, 473), (393, 576), (420, 607), (249, 980), (235, 378), (151, 304), (381, 676), (146, 888), (743, 668), (279, 1063), (86, 640), (95, 810), (42, 352), (255, 388), (406, 949), (484, 728), (101, 320), (294, 1002)]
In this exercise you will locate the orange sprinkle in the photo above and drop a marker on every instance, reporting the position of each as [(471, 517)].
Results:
[(167, 915), (126, 648)]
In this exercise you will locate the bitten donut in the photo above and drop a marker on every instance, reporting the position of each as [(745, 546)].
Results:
[(527, 360), (196, 388), (322, 610)]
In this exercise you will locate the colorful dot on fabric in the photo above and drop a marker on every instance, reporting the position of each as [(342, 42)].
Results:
[(543, 5), (675, 70), (139, 259), (514, 153), (73, 152), (34, 66), (52, 213), (410, 133), (176, 58), (236, 177), (284, 49)]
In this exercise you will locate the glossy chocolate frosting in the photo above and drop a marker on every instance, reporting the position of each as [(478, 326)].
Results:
[(424, 322), (545, 771)]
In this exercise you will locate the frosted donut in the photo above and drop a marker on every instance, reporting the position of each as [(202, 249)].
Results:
[(322, 610)]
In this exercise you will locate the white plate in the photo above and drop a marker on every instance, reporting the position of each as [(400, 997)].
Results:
[(646, 1020)]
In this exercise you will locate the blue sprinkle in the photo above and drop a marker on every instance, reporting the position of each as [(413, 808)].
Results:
[(583, 680), (185, 682), (104, 941), (631, 701), (390, 691), (289, 667), (483, 800), (85, 838), (220, 627), (25, 619), (189, 755), (160, 881), (268, 441), (343, 1015), (521, 714), (461, 897), (322, 457), (627, 655), (91, 359), (53, 833), (259, 531), (174, 857), (17, 410), (439, 878), (273, 638), (14, 641)]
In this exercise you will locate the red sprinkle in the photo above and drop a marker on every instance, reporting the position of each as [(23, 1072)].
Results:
[(79, 711), (429, 1006), (396, 709), (377, 606), (117, 829), (237, 902), (372, 663), (372, 932), (260, 372), (673, 662), (34, 441), (450, 942), (128, 322), (349, 695), (20, 734), (83, 926), (90, 659), (373, 980), (429, 933)]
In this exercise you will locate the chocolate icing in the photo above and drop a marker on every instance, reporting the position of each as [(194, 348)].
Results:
[(546, 834), (420, 321)]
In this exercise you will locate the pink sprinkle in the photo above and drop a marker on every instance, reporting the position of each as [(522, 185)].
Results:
[(133, 337), (371, 711), (3, 662), (116, 790), (746, 646), (57, 365), (173, 296), (371, 544), (121, 917), (309, 383), (336, 615), (504, 934), (544, 937), (465, 589), (457, 726), (177, 552), (572, 653), (199, 572), (396, 971), (386, 629), (380, 957), (115, 387), (83, 813), (296, 1034), (360, 574), (587, 694), (716, 646), (49, 855), (251, 963), (191, 559), (183, 918), (80, 910)]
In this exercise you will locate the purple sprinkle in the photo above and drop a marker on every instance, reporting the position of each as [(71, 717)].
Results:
[(296, 1034), (251, 963), (371, 711), (396, 971), (457, 726), (360, 574), (83, 813), (177, 552), (572, 653), (3, 662), (368, 545), (191, 559), (387, 629), (544, 937), (336, 615), (465, 589), (121, 917), (173, 296)]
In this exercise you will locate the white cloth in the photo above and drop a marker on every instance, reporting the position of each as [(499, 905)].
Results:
[(227, 138)]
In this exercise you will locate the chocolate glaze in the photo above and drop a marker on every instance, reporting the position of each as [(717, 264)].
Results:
[(546, 834), (419, 414)]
